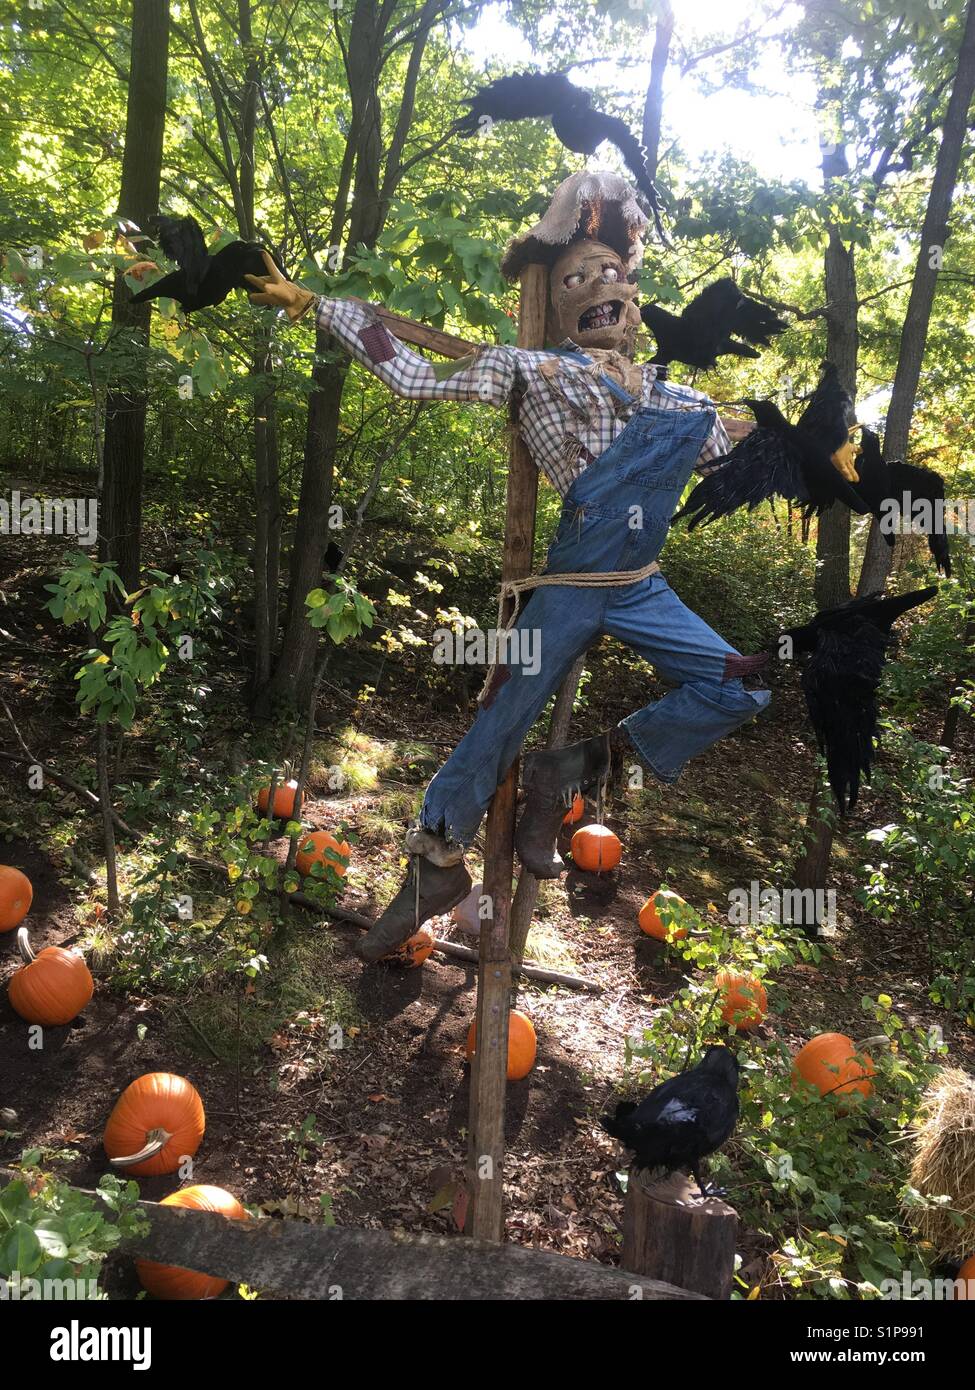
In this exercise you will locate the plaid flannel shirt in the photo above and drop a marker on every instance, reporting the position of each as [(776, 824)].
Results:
[(566, 415)]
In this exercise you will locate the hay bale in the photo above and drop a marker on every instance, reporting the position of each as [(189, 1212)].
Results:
[(944, 1163)]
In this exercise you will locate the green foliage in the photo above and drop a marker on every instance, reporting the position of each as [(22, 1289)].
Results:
[(820, 1179), (343, 613), (54, 1239), (923, 864)]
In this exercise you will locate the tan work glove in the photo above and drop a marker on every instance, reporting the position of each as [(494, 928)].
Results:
[(277, 291), (844, 460)]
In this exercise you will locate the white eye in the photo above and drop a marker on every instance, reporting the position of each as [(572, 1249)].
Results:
[(612, 274), (571, 281)]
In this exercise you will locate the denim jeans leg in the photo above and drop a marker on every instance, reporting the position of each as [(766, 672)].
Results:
[(707, 703), (563, 622)]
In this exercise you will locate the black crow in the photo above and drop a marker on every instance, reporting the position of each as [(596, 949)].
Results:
[(709, 326), (780, 459), (202, 280), (684, 1119), (883, 483), (846, 649), (580, 126)]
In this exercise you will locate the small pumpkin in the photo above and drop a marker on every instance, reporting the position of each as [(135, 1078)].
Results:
[(576, 811), (52, 987), (650, 919), (965, 1288), (744, 1002), (596, 849), (170, 1281), (833, 1064), (158, 1120), (16, 896), (522, 1044), (284, 800), (414, 951), (321, 847)]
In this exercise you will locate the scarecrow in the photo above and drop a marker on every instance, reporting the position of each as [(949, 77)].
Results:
[(619, 443)]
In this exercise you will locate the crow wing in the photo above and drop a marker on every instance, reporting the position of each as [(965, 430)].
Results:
[(764, 464), (182, 240), (926, 485), (171, 286), (520, 96)]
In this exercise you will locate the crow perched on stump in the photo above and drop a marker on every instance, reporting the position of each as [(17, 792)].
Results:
[(682, 1120)]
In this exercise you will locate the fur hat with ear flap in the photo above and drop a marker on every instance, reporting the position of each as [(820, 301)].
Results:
[(597, 205)]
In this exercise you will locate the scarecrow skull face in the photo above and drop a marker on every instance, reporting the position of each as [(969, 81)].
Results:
[(590, 300)]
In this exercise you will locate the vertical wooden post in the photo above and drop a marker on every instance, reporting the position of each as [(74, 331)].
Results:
[(485, 1180)]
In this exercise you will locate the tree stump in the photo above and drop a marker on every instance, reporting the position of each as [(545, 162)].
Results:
[(672, 1234)]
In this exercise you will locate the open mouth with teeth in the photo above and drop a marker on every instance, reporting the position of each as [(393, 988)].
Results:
[(600, 316)]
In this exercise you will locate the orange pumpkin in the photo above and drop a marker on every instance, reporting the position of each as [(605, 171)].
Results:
[(172, 1282), (832, 1064), (650, 921), (965, 1288), (522, 1044), (157, 1121), (744, 1002), (284, 800), (16, 895), (321, 847), (52, 987), (576, 811), (415, 951), (596, 849)]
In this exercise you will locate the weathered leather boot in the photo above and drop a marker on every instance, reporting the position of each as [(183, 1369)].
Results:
[(435, 882), (552, 777)]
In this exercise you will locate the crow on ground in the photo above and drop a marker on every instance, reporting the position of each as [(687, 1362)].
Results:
[(682, 1120)]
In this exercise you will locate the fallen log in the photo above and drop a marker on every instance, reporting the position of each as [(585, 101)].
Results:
[(303, 1261), (450, 948)]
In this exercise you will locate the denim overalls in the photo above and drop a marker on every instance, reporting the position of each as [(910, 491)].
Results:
[(615, 516)]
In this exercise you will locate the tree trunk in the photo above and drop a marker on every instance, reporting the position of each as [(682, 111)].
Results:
[(914, 335), (362, 172), (832, 584), (125, 408)]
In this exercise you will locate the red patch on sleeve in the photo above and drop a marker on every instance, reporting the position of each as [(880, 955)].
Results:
[(377, 343), (736, 666)]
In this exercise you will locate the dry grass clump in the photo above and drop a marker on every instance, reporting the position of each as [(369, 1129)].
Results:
[(944, 1162)]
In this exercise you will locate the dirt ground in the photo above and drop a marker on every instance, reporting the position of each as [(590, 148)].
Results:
[(391, 1104)]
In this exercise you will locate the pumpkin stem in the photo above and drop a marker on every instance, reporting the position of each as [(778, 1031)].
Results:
[(24, 946), (156, 1140)]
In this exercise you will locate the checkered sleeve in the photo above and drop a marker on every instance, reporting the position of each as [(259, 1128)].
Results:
[(487, 375)]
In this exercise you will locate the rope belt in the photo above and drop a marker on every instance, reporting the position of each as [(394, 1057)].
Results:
[(514, 588)]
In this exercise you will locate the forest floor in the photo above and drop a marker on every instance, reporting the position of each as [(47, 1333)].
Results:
[(389, 1107)]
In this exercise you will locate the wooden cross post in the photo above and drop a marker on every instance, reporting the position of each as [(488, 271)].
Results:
[(485, 1173)]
